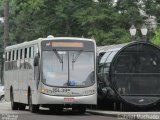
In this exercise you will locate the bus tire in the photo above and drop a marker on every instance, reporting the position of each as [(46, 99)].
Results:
[(32, 108), (14, 105), (82, 110), (22, 106)]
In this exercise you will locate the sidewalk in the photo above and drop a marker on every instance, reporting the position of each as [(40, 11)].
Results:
[(127, 115)]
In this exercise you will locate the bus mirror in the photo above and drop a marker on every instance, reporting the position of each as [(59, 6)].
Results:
[(36, 60)]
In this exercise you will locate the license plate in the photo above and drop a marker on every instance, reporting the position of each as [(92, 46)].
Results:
[(70, 100)]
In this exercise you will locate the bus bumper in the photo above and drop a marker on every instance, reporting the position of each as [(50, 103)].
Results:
[(48, 99)]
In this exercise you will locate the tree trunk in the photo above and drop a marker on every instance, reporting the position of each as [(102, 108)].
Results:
[(6, 23)]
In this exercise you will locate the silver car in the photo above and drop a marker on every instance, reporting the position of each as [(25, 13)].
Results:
[(2, 98)]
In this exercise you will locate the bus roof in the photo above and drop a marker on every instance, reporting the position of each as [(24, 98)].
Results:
[(110, 48), (26, 43)]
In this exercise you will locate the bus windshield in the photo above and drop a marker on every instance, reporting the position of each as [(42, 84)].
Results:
[(68, 68)]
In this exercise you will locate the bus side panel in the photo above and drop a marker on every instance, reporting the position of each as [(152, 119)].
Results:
[(27, 74), (7, 86), (22, 77), (32, 82), (15, 84), (23, 80), (33, 87)]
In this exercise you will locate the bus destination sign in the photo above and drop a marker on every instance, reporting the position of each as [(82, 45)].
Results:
[(64, 44), (67, 45)]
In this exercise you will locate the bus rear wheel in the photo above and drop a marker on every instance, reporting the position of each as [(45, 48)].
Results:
[(82, 110), (32, 108), (14, 105), (22, 106)]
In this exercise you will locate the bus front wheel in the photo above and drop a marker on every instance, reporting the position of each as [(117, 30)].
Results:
[(33, 108), (80, 109), (14, 105)]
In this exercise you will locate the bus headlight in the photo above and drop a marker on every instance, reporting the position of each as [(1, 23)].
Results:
[(89, 92), (46, 91)]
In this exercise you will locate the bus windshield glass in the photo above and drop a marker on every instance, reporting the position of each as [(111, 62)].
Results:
[(68, 68)]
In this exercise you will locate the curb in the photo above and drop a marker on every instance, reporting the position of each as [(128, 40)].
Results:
[(104, 113), (127, 115)]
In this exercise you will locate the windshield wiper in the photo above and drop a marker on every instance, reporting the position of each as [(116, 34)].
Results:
[(59, 57), (74, 59)]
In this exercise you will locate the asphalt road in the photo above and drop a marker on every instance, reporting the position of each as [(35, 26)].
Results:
[(44, 114)]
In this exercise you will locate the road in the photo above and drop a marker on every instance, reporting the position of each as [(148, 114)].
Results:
[(7, 114)]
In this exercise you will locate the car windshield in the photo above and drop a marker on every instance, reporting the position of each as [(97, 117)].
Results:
[(68, 68)]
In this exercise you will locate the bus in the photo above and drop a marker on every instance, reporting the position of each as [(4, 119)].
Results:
[(52, 72)]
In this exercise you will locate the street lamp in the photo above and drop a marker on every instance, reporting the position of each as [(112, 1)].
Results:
[(133, 32), (144, 31)]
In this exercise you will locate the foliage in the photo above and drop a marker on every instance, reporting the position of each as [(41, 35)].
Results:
[(105, 20), (108, 22), (156, 38)]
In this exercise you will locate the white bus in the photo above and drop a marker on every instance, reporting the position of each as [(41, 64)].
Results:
[(53, 72)]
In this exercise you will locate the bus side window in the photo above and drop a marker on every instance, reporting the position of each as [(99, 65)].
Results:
[(6, 64), (9, 59), (29, 52), (21, 54), (13, 54), (17, 55), (14, 63), (6, 57), (9, 56), (25, 53), (35, 50)]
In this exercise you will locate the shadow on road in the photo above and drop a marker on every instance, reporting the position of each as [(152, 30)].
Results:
[(64, 112)]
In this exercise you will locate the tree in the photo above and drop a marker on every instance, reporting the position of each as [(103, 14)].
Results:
[(108, 22), (23, 20), (6, 23), (156, 38)]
